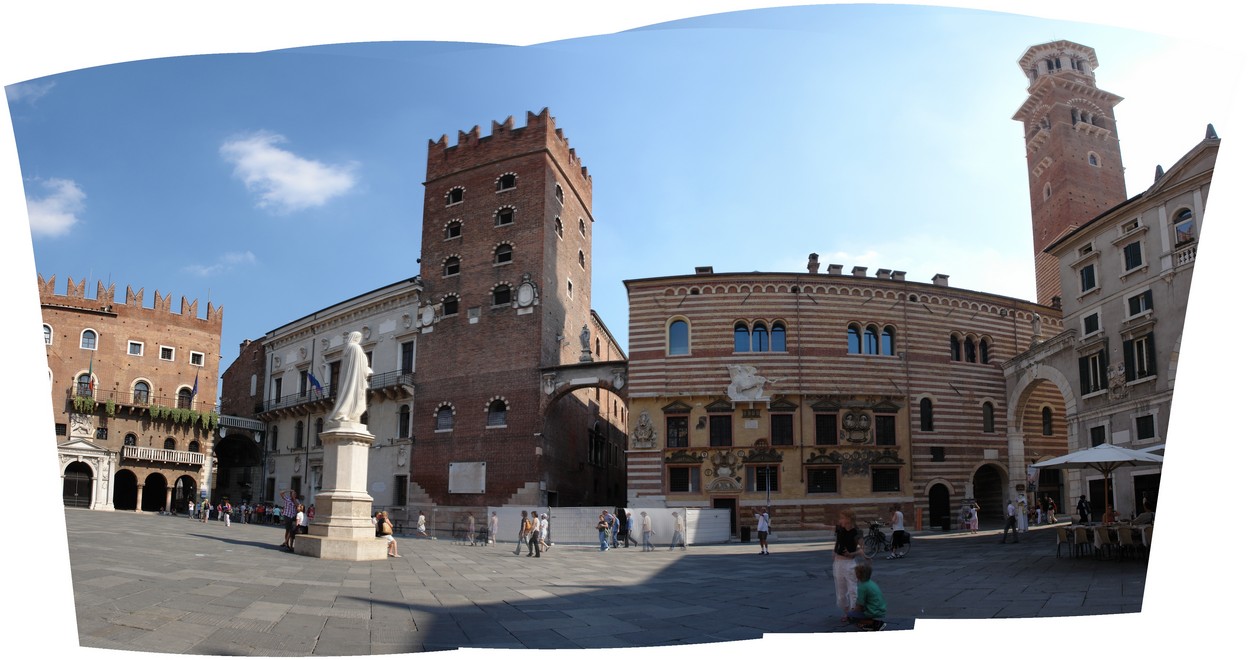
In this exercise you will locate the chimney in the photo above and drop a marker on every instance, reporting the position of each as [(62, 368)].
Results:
[(813, 263), (835, 269), (942, 280), (702, 270), (860, 271), (899, 275), (883, 273)]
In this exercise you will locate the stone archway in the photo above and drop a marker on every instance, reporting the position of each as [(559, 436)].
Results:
[(238, 472), (78, 482), (586, 461), (154, 492), (125, 491), (184, 492), (1030, 433), (940, 506), (989, 489)]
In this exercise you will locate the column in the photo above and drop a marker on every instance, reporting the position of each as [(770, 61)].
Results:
[(344, 526)]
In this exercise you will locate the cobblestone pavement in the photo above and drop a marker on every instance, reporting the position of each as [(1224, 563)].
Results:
[(159, 583)]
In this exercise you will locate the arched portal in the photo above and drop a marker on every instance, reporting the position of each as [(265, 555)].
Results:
[(238, 469), (125, 491), (184, 491), (154, 492), (584, 418), (940, 506), (76, 490), (989, 490)]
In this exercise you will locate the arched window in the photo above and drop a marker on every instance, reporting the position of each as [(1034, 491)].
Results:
[(405, 422), (504, 216), (497, 413), (88, 340), (184, 397), (852, 339), (759, 337), (581, 226), (779, 337), (871, 347), (47, 334), (455, 196), (987, 417), (503, 254), (581, 258), (560, 194), (299, 433), (678, 338), (85, 386), (559, 227), (170, 444), (451, 266), (985, 351), (452, 230), (131, 440), (1182, 223), (506, 182), (970, 350), (742, 337), (887, 340), (926, 415), (501, 295), (445, 418), (1048, 421), (143, 393), (1046, 191), (954, 348), (194, 447), (451, 305), (1093, 158)]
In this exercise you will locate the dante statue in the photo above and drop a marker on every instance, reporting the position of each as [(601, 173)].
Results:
[(353, 390)]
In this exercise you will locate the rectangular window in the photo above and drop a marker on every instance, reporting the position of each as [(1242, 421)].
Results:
[(401, 490), (937, 454), (1088, 279), (1139, 357), (197, 359), (782, 429), (1093, 372), (683, 480), (134, 348), (277, 389), (296, 485), (826, 429), (763, 479), (885, 480), (303, 382), (720, 430), (678, 429), (822, 480), (406, 357), (1145, 427), (1132, 256), (1140, 303), (885, 429), (61, 429), (1097, 436), (167, 353), (1091, 324)]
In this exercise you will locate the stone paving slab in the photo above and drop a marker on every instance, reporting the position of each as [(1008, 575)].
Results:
[(169, 586)]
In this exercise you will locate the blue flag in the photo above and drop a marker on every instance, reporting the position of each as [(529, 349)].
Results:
[(313, 379)]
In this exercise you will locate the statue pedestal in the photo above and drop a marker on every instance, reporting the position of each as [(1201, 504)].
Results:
[(344, 526)]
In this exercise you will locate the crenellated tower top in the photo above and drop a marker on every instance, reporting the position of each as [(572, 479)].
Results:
[(505, 140)]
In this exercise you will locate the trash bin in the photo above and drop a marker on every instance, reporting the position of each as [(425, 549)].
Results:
[(745, 533)]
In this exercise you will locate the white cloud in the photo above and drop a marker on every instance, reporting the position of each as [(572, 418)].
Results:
[(28, 91), (57, 212), (225, 262), (286, 182)]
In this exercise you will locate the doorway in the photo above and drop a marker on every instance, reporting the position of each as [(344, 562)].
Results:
[(76, 491), (939, 507)]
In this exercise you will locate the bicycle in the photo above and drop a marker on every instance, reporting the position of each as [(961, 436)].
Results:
[(876, 540)]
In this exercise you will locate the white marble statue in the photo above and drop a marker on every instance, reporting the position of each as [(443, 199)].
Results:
[(745, 384), (353, 390)]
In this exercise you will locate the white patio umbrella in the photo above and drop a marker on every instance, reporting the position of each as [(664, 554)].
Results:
[(1105, 458)]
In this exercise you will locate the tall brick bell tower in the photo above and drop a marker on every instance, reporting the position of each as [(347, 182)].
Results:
[(1073, 149), (505, 267)]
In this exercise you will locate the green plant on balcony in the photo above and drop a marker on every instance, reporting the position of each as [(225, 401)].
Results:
[(110, 407), (84, 404)]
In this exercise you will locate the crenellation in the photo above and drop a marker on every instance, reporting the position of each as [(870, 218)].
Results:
[(76, 291), (134, 298), (161, 304), (103, 295), (191, 310)]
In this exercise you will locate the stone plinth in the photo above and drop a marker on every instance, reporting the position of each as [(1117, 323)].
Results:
[(344, 526)]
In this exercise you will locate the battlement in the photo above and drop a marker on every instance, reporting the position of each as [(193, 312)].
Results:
[(105, 301), (505, 139)]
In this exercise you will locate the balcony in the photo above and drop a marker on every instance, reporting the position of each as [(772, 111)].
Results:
[(389, 385), (1184, 254), (132, 403), (153, 455)]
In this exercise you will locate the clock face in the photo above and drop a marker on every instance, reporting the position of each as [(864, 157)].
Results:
[(427, 315), (525, 294)]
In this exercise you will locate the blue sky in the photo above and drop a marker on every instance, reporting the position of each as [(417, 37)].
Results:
[(741, 141), (874, 136)]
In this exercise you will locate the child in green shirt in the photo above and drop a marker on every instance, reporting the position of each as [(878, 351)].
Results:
[(869, 603)]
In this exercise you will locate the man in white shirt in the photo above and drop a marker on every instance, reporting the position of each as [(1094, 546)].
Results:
[(761, 528), (1011, 524)]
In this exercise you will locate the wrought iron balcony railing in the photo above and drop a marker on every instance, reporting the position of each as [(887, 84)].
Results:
[(136, 399)]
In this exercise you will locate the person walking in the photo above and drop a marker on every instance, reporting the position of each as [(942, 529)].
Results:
[(536, 537), (421, 524), (190, 508), (647, 546), (1010, 525), (602, 526), (493, 528), (974, 518), (629, 530), (523, 534), (761, 528), (1022, 514), (679, 532), (471, 526), (1082, 509), (226, 510), (386, 532), (289, 505), (204, 507), (616, 531), (532, 539)]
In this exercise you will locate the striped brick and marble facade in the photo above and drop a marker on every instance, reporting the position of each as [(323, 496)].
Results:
[(813, 391)]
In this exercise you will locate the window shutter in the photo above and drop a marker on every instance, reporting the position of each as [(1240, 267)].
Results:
[(1149, 367), (1084, 369), (1102, 369), (1130, 362)]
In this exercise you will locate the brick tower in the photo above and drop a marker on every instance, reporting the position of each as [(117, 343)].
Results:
[(505, 266), (1073, 149)]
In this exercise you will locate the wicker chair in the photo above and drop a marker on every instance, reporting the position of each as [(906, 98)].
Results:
[(1062, 540), (1103, 545), (1126, 545), (1080, 539)]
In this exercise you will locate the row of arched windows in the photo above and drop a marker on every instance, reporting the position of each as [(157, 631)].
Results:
[(868, 340), (131, 440), (496, 415), (988, 420), (502, 257), (969, 349), (140, 394), (759, 337)]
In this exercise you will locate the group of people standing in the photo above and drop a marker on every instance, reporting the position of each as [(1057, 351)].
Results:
[(535, 534)]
